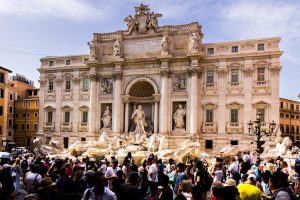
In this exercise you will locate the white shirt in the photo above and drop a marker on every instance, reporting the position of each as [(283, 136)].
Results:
[(110, 172), (218, 175), (30, 177), (234, 167), (153, 170)]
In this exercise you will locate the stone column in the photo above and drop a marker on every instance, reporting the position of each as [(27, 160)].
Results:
[(248, 90), (58, 112), (117, 102), (163, 120), (93, 101), (275, 69), (155, 121), (75, 113), (222, 84), (42, 106), (126, 101), (193, 95)]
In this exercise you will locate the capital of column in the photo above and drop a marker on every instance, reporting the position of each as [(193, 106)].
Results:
[(165, 72), (248, 71), (222, 72), (76, 80), (275, 70), (126, 98), (117, 75), (42, 82), (94, 77), (194, 71), (58, 81), (156, 98)]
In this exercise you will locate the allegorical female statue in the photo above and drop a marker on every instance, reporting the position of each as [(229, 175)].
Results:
[(106, 118), (117, 47), (194, 41), (164, 45), (178, 117), (138, 117)]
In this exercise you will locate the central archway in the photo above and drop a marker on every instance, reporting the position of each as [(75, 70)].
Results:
[(141, 89)]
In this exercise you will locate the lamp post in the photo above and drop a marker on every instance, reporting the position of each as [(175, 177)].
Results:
[(258, 133)]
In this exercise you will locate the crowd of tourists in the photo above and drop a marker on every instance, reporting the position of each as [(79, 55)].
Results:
[(85, 178)]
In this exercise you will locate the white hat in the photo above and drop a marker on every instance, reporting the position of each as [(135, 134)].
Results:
[(6, 166), (252, 176)]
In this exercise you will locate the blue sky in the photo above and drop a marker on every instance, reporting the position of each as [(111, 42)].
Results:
[(49, 27)]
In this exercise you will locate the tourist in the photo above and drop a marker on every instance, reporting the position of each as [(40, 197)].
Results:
[(7, 190), (284, 167), (234, 170), (118, 183), (265, 176), (181, 175), (172, 176), (33, 179), (185, 188), (166, 193), (143, 177), (229, 191), (168, 166), (152, 170), (218, 173), (248, 190), (99, 191), (125, 167), (18, 173), (130, 189), (25, 163), (111, 172), (215, 190), (199, 190), (188, 172), (279, 186)]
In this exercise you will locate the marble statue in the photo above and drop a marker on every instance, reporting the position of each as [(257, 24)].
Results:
[(180, 83), (132, 24), (117, 48), (138, 117), (178, 117), (194, 42), (153, 24), (92, 48), (164, 45), (107, 86), (106, 118)]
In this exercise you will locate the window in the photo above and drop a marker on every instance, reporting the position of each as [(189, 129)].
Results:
[(23, 126), (28, 115), (234, 115), (27, 126), (261, 74), (1, 93), (262, 112), (292, 129), (24, 115), (210, 51), (260, 47), (10, 122), (297, 107), (0, 130), (10, 109), (297, 116), (2, 78), (35, 114), (85, 84), (234, 49), (84, 117), (35, 127), (66, 142), (210, 76), (281, 115), (85, 60), (282, 128), (15, 126), (30, 93), (292, 116), (287, 115), (83, 139), (35, 92), (10, 97), (36, 103), (67, 117), (281, 104), (9, 133), (287, 128), (51, 63), (17, 115), (209, 116), (292, 106), (297, 129), (49, 116), (1, 110), (68, 62), (68, 84), (208, 144), (234, 75), (287, 105), (234, 142), (28, 104), (50, 88)]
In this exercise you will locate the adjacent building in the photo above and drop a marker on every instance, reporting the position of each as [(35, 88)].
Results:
[(26, 108), (289, 119), (220, 86)]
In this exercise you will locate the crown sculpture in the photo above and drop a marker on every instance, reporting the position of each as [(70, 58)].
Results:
[(143, 21)]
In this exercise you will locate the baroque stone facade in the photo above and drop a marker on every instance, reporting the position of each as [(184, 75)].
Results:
[(221, 86)]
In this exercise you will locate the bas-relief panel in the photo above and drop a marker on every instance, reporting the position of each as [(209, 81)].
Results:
[(142, 46)]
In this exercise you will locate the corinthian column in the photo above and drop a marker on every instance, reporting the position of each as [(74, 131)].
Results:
[(163, 120), (193, 72), (58, 112), (41, 105), (93, 103), (117, 102), (126, 101)]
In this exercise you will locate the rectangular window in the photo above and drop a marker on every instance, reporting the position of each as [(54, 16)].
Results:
[(209, 116), (68, 62), (50, 88), (234, 142), (35, 92), (262, 112), (210, 76), (297, 116), (51, 63), (85, 60), (234, 49), (292, 129), (2, 80), (27, 126), (260, 47), (85, 84), (66, 142), (1, 93), (9, 133), (292, 106), (24, 115), (0, 130), (36, 103), (10, 122), (287, 105), (68, 84), (35, 114), (287, 128), (28, 104), (10, 109), (292, 116), (35, 127), (23, 126), (234, 117), (297, 107), (234, 75), (84, 117), (208, 144), (261, 74), (83, 139), (50, 116), (210, 51), (297, 129), (28, 115), (11, 97), (281, 115), (287, 115), (17, 115), (281, 104), (1, 110), (282, 128), (67, 117)]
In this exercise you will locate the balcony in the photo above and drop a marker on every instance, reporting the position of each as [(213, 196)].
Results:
[(66, 127), (49, 126), (234, 127), (210, 88), (235, 87), (261, 86), (83, 127), (84, 94), (209, 127)]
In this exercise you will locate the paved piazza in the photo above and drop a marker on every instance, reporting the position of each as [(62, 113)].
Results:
[(160, 79)]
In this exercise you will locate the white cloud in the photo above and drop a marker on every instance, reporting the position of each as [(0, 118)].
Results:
[(75, 10)]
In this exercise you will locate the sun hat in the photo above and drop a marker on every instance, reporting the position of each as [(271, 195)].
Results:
[(46, 182), (230, 182)]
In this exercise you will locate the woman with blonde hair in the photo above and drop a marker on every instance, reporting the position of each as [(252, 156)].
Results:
[(185, 188), (17, 173)]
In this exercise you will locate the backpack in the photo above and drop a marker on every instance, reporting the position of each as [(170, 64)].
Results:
[(24, 164), (207, 181)]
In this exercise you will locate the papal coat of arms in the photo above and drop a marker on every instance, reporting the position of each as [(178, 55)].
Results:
[(143, 21)]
